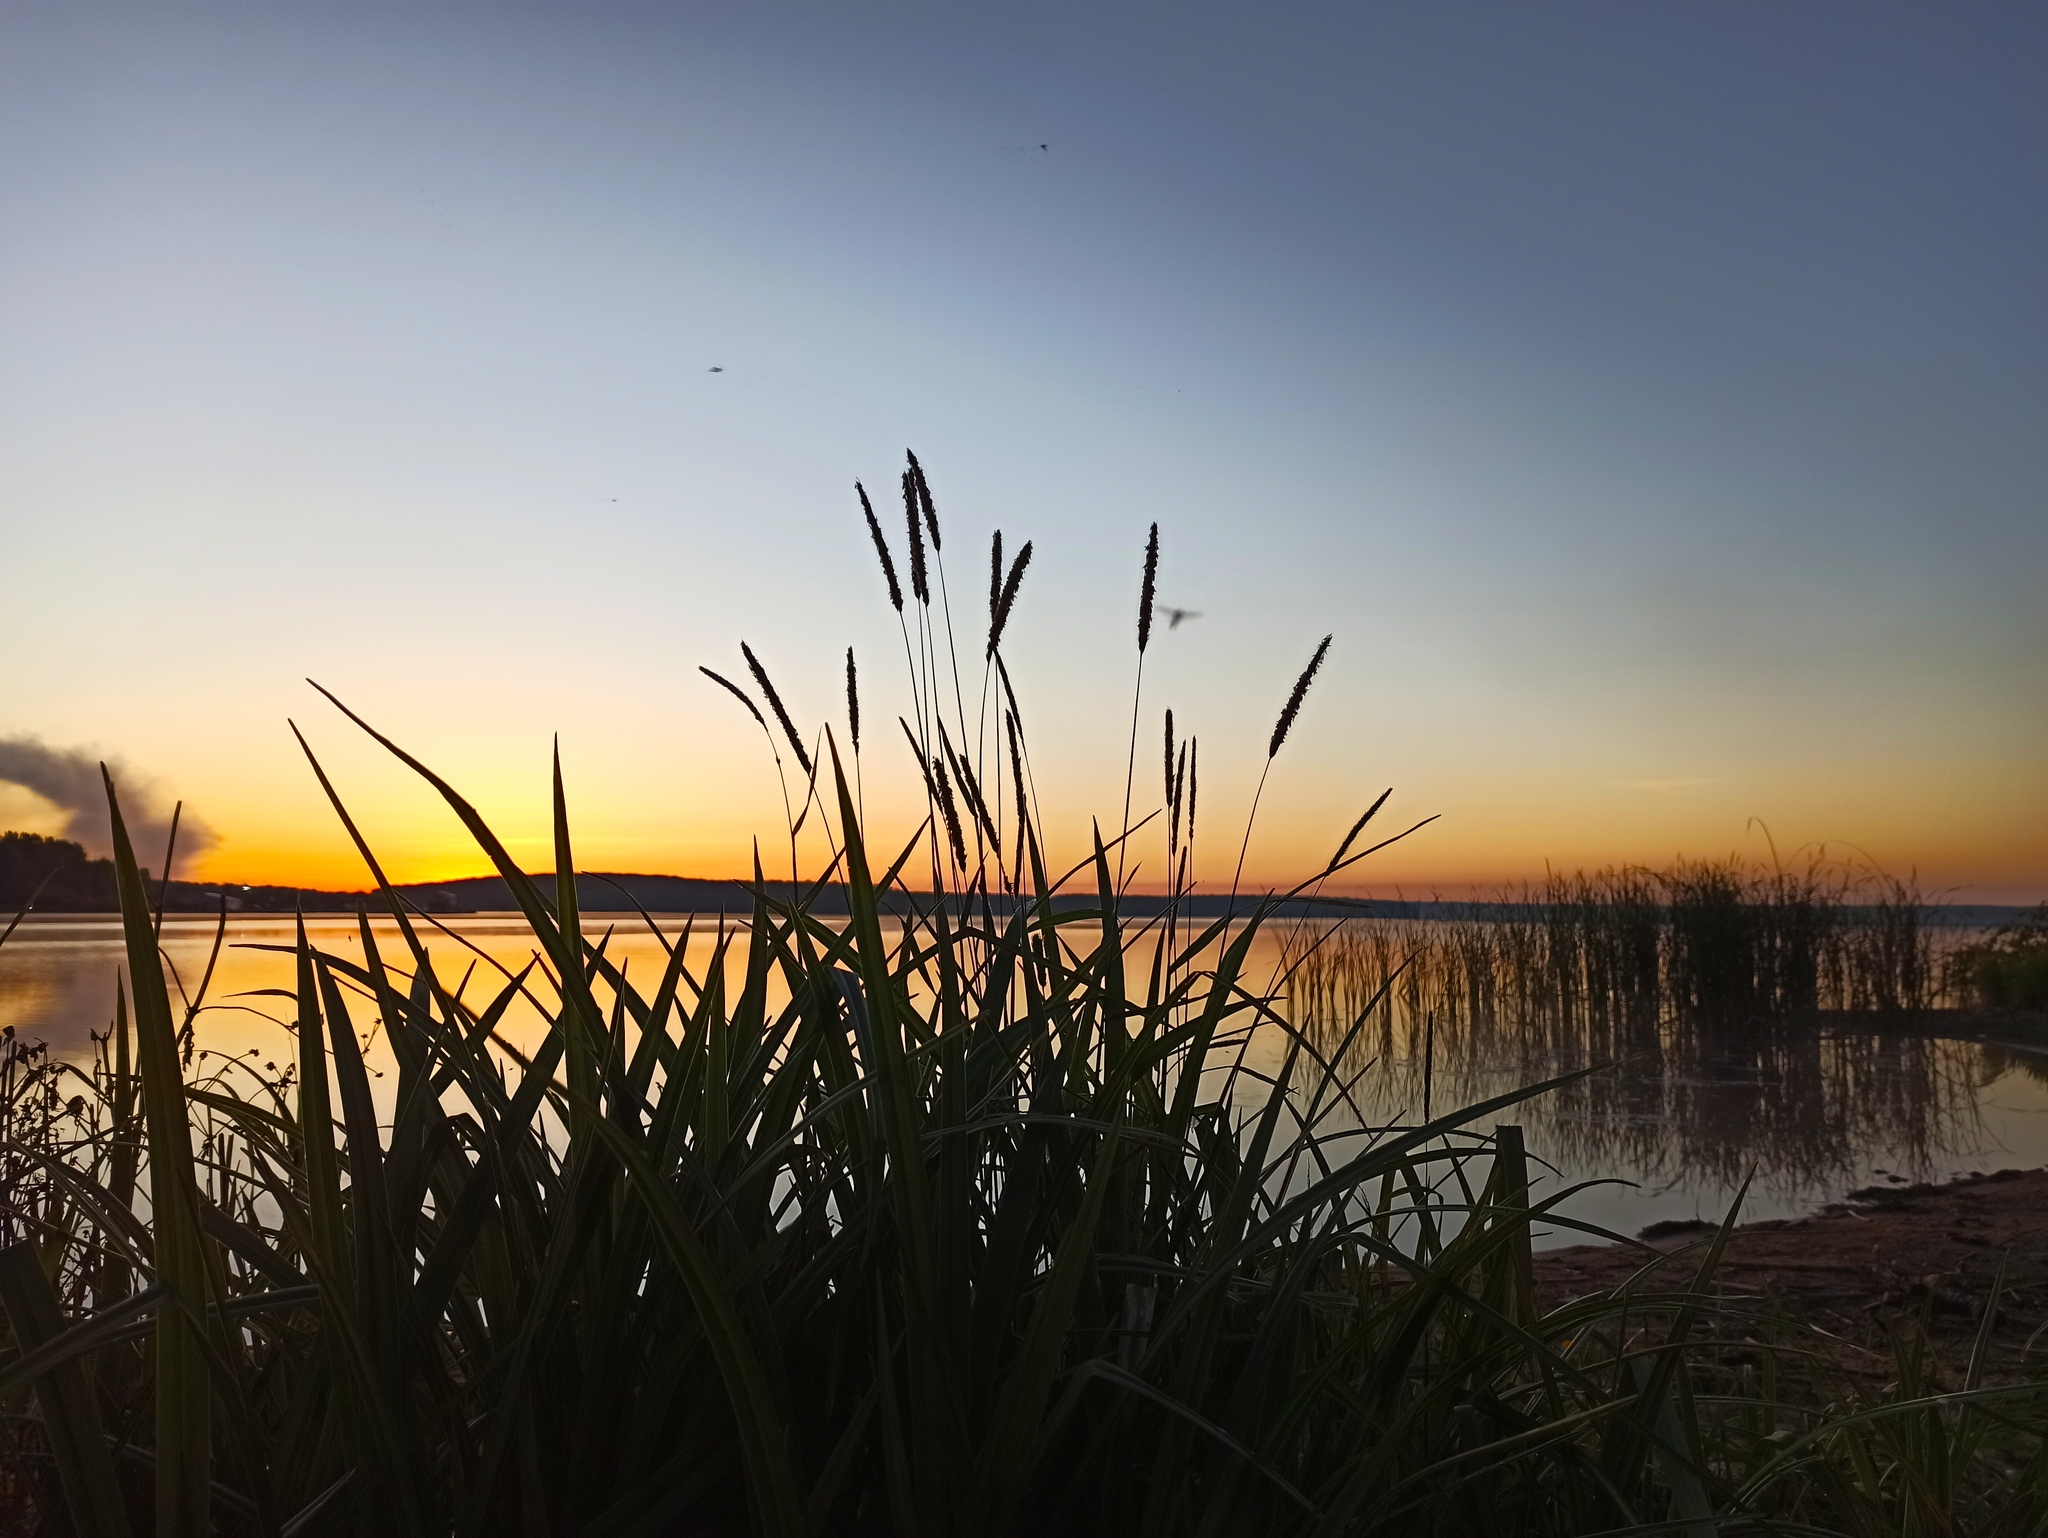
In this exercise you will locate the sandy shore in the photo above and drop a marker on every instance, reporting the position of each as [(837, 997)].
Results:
[(1857, 1269)]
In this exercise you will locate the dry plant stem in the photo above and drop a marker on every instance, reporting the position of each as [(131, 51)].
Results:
[(1337, 863), (995, 598), (1250, 818), (789, 816), (774, 698), (922, 736), (941, 883), (952, 650), (1021, 744), (1278, 740), (981, 732), (1130, 768)]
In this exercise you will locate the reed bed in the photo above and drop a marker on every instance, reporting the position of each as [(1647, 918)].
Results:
[(1752, 1015), (979, 1223), (1612, 956), (2006, 970)]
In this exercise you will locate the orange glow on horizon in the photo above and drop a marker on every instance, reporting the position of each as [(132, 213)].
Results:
[(685, 794), (1420, 873)]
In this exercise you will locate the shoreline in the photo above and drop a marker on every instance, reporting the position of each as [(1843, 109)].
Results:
[(1858, 1267)]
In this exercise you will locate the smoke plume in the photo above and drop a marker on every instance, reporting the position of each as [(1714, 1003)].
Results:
[(70, 779)]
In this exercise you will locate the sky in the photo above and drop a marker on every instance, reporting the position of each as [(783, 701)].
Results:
[(1650, 401)]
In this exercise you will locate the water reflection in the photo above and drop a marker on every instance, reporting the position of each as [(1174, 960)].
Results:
[(57, 975), (1694, 1102)]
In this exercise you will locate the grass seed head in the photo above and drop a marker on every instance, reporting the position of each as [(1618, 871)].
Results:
[(852, 700), (881, 548), (950, 812), (1169, 755), (924, 499), (1357, 828), (737, 693), (1293, 707), (1149, 591), (789, 730), (1011, 583), (919, 587)]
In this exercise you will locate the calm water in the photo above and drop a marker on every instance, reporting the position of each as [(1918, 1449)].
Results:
[(1815, 1114)]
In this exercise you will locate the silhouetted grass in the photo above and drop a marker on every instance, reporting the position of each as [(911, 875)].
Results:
[(979, 1223)]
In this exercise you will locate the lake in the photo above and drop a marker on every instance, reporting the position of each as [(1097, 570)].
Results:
[(1815, 1111)]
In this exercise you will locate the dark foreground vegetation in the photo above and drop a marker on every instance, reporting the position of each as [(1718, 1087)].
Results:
[(992, 1221)]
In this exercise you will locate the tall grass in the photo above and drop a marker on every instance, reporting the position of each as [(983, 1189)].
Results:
[(975, 1221), (2006, 970)]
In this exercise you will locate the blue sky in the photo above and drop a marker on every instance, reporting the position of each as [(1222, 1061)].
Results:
[(1649, 399)]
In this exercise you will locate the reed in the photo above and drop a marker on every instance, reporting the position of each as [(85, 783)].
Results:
[(1751, 1013), (1715, 944), (2007, 970), (950, 1216)]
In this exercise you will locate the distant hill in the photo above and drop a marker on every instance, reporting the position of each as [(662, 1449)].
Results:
[(82, 885), (595, 893), (622, 892), (77, 883), (87, 886)]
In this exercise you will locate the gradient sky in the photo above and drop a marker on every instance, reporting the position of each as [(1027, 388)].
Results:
[(1653, 401)]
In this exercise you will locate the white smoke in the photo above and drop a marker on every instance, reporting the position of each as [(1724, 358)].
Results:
[(70, 779)]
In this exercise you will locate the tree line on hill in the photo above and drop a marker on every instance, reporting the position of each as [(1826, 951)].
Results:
[(55, 873), (58, 876), (80, 884)]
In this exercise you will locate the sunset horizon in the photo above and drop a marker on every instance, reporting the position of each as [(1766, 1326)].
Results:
[(910, 769), (1665, 471)]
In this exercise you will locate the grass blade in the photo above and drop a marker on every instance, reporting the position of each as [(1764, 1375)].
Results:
[(71, 1419), (184, 1397)]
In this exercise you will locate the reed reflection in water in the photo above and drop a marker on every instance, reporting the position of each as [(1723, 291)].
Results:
[(1788, 1045), (1698, 1097)]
